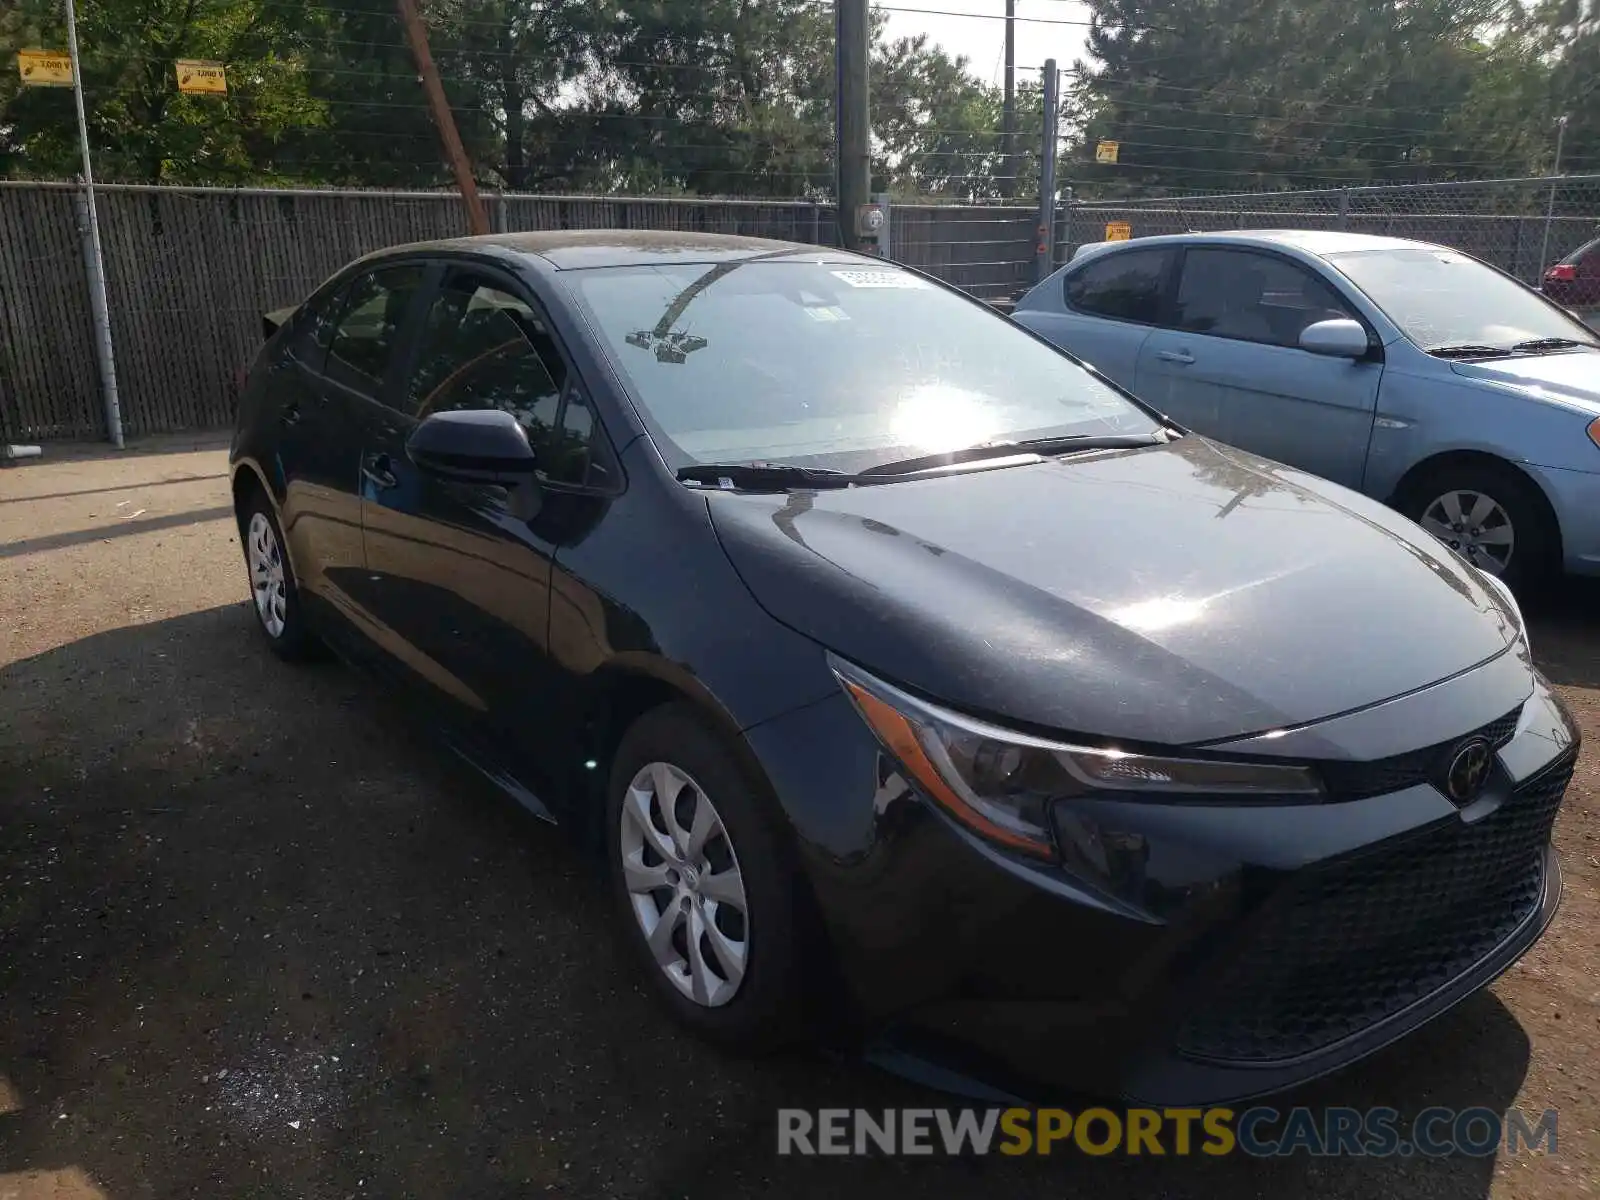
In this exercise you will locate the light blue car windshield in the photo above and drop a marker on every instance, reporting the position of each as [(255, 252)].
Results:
[(1441, 298)]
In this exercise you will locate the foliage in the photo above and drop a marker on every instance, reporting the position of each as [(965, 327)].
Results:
[(735, 97), (1236, 95)]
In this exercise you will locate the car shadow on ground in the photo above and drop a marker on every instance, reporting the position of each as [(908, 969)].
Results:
[(259, 938), (1562, 622)]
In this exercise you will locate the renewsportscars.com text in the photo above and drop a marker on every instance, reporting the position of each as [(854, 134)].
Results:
[(1259, 1132)]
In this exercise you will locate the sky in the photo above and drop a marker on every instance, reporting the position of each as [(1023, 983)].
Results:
[(981, 36)]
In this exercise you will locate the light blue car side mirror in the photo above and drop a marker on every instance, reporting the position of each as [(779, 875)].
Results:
[(1342, 338)]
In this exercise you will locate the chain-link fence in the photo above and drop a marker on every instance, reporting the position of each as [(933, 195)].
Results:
[(1519, 225), (189, 271)]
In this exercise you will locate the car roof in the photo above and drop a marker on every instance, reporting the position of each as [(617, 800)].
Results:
[(1320, 242), (568, 249)]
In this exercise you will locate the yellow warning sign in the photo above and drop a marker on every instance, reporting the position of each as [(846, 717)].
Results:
[(202, 78), (44, 68), (1118, 231), (1106, 152)]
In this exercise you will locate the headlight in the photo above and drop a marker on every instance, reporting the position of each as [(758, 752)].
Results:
[(1000, 783), (1508, 602)]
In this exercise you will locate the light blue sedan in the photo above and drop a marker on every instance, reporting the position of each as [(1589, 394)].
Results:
[(1411, 372)]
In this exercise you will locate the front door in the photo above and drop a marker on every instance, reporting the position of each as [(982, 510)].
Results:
[(459, 572), (1232, 368)]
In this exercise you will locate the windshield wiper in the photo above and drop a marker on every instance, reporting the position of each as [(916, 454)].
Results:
[(1534, 345), (1471, 351), (763, 477), (1039, 446)]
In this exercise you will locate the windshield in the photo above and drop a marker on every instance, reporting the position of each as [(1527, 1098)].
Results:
[(1442, 298), (832, 366)]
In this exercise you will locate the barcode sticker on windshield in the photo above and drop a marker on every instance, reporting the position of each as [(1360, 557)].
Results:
[(878, 279)]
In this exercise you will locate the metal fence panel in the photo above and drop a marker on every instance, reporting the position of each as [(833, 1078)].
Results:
[(48, 381), (986, 250)]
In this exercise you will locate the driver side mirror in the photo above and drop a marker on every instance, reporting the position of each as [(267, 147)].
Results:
[(1342, 338), (473, 446)]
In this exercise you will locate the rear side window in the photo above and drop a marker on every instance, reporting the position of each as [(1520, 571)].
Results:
[(1588, 253), (314, 325), (1125, 285), (364, 339)]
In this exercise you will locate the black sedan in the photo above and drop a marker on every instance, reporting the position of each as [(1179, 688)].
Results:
[(918, 685)]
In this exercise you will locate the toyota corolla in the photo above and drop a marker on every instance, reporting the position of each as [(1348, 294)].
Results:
[(916, 682)]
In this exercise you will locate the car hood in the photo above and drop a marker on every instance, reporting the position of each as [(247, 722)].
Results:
[(1178, 594), (1570, 376)]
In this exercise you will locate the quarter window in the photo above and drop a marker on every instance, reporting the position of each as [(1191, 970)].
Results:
[(365, 338), (1255, 297), (1123, 284)]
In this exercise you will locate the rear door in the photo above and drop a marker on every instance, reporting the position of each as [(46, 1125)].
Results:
[(326, 384), (1231, 366), (1104, 309)]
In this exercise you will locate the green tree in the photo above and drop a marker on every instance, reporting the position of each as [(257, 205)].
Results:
[(141, 127), (1245, 94)]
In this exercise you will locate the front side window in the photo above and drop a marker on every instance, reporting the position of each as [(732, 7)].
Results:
[(1444, 300), (365, 338), (831, 365), (1255, 297), (1123, 284), (481, 347)]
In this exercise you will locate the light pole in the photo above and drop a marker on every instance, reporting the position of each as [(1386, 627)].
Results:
[(99, 309)]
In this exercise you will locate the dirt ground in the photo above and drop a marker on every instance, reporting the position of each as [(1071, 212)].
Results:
[(260, 939)]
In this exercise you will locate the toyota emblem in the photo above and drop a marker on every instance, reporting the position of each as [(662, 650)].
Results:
[(1469, 767)]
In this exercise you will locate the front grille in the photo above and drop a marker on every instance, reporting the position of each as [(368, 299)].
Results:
[(1354, 781), (1364, 940)]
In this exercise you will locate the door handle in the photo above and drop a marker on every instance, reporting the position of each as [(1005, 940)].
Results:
[(290, 414), (376, 471), (1182, 357)]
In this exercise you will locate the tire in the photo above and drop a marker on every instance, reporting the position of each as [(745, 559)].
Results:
[(756, 1007), (1532, 554), (274, 594)]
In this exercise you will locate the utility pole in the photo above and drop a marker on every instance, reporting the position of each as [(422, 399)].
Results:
[(1045, 250), (1008, 111), (99, 309), (1550, 206), (853, 147), (454, 152)]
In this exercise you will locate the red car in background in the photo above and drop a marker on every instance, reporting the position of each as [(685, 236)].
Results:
[(1574, 282)]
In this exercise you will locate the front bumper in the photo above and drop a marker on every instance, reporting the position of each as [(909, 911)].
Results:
[(1183, 953)]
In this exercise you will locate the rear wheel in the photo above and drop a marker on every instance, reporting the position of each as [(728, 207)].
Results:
[(274, 595), (707, 893), (1491, 516)]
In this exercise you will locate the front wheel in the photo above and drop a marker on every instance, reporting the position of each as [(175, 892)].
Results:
[(1491, 516), (707, 893)]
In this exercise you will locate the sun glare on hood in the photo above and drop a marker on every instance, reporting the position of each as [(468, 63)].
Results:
[(1163, 612)]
